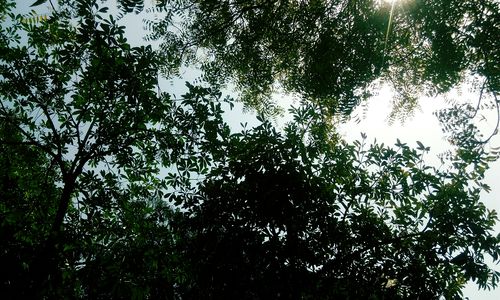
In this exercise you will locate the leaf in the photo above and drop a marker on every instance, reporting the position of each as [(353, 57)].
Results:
[(39, 2), (460, 259)]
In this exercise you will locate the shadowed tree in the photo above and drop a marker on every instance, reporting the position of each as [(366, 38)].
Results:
[(293, 216), (140, 195), (85, 103)]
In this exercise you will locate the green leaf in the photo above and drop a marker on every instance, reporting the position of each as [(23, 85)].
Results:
[(38, 2)]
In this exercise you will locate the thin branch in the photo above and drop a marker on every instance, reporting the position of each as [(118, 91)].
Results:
[(80, 158), (52, 128), (52, 5), (495, 131), (33, 141), (479, 100), (46, 112)]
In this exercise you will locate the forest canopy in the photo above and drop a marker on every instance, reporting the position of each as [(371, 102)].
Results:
[(111, 187), (334, 52)]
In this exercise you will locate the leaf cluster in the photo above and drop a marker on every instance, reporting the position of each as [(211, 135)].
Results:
[(332, 52), (111, 188)]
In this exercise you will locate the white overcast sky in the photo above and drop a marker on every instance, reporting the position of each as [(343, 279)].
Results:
[(423, 126)]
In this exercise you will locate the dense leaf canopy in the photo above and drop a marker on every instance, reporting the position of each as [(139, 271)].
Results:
[(111, 188), (86, 101), (280, 218), (333, 51)]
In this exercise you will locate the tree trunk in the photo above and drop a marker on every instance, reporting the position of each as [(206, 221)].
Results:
[(45, 267)]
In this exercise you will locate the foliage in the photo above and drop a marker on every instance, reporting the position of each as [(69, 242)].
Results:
[(332, 52), (111, 188), (282, 218), (85, 102)]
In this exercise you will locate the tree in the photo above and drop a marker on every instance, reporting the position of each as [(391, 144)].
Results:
[(283, 217), (332, 52), (144, 195), (86, 103)]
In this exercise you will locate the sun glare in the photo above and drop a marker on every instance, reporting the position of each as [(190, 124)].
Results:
[(391, 14)]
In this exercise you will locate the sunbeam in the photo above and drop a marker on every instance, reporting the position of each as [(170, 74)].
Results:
[(393, 2)]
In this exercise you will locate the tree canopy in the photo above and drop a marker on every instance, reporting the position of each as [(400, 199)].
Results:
[(332, 52), (282, 218), (86, 101), (112, 188)]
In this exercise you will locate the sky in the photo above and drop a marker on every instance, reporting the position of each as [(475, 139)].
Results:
[(423, 126)]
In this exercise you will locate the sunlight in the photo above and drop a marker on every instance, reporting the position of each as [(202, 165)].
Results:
[(393, 2)]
